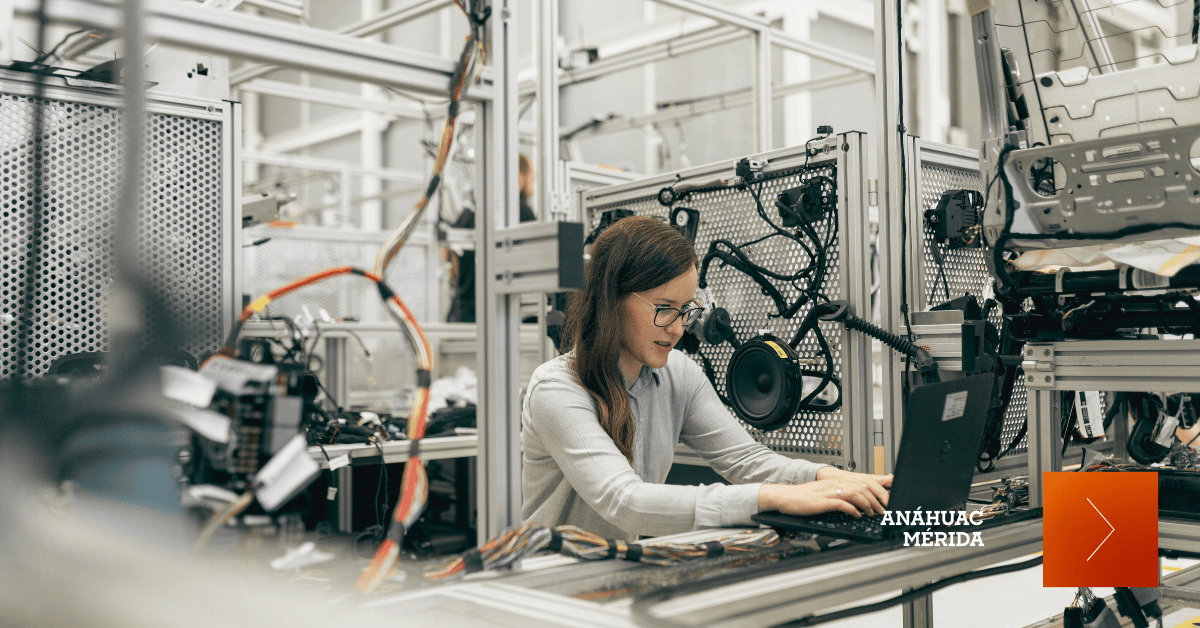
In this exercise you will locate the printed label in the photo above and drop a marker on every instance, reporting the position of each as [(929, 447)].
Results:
[(1144, 280), (956, 405), (778, 349), (1091, 414)]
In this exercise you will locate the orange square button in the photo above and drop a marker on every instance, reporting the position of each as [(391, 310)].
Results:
[(1100, 529)]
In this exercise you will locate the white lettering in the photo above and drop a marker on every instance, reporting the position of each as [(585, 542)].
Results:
[(902, 518), (939, 538), (962, 518), (926, 537), (887, 519), (911, 538), (976, 519), (976, 537)]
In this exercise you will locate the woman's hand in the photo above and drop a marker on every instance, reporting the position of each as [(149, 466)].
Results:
[(834, 490)]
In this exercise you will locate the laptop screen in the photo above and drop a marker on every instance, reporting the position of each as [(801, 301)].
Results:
[(943, 429)]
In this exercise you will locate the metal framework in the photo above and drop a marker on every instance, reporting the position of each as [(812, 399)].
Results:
[(933, 169), (841, 437), (1167, 366), (545, 585), (345, 56)]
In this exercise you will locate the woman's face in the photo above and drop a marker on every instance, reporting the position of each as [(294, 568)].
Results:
[(643, 341)]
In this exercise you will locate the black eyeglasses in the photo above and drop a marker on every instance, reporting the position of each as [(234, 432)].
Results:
[(664, 316)]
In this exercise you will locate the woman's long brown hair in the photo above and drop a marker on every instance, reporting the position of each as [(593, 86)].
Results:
[(635, 254)]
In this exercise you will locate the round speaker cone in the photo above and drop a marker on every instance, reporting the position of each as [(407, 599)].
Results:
[(764, 382)]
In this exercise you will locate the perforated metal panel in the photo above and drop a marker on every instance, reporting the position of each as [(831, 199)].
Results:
[(940, 169), (731, 214), (184, 214)]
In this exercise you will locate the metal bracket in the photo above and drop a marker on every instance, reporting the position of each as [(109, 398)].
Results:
[(1038, 366), (543, 257)]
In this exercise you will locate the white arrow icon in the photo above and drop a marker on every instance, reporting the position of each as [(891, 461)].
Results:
[(1110, 533)]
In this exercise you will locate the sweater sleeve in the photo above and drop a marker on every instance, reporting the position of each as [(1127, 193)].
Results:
[(564, 419), (716, 436)]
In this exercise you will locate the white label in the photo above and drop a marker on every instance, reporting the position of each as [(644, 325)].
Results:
[(1144, 280), (339, 462), (187, 386), (1091, 415), (285, 474), (331, 494), (238, 377), (1166, 434), (956, 405)]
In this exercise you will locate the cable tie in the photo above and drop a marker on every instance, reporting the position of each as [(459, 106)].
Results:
[(1058, 279), (424, 378), (714, 549), (612, 548), (385, 291), (414, 448), (633, 552), (472, 561), (396, 532), (556, 541)]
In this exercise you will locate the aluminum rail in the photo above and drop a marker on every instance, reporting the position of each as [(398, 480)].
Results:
[(271, 41), (390, 18), (785, 596), (719, 102), (700, 40), (394, 451), (779, 38), (300, 162), (331, 97)]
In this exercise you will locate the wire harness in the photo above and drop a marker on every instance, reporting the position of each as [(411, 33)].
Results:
[(516, 543)]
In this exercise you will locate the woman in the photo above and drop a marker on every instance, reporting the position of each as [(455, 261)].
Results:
[(600, 423)]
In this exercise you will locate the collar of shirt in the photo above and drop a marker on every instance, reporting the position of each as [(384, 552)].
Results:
[(646, 376)]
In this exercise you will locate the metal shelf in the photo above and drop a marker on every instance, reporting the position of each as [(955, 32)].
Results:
[(361, 454)]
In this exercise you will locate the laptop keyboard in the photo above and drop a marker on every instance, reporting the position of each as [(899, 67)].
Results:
[(842, 522)]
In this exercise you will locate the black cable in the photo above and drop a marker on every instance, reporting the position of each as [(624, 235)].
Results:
[(54, 51), (911, 595), (941, 264), (712, 378), (383, 479), (1196, 22), (1029, 55)]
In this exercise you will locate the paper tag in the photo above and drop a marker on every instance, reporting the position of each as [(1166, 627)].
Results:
[(187, 386), (211, 425), (956, 405), (331, 494), (1143, 280), (285, 474), (1166, 436), (339, 462), (1091, 413), (238, 377)]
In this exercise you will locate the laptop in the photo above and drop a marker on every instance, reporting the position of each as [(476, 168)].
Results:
[(943, 428)]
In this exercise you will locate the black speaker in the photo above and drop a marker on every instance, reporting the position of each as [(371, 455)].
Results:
[(764, 382)]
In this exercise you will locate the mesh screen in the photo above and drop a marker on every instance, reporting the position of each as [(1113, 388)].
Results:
[(730, 214), (964, 272), (179, 233)]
